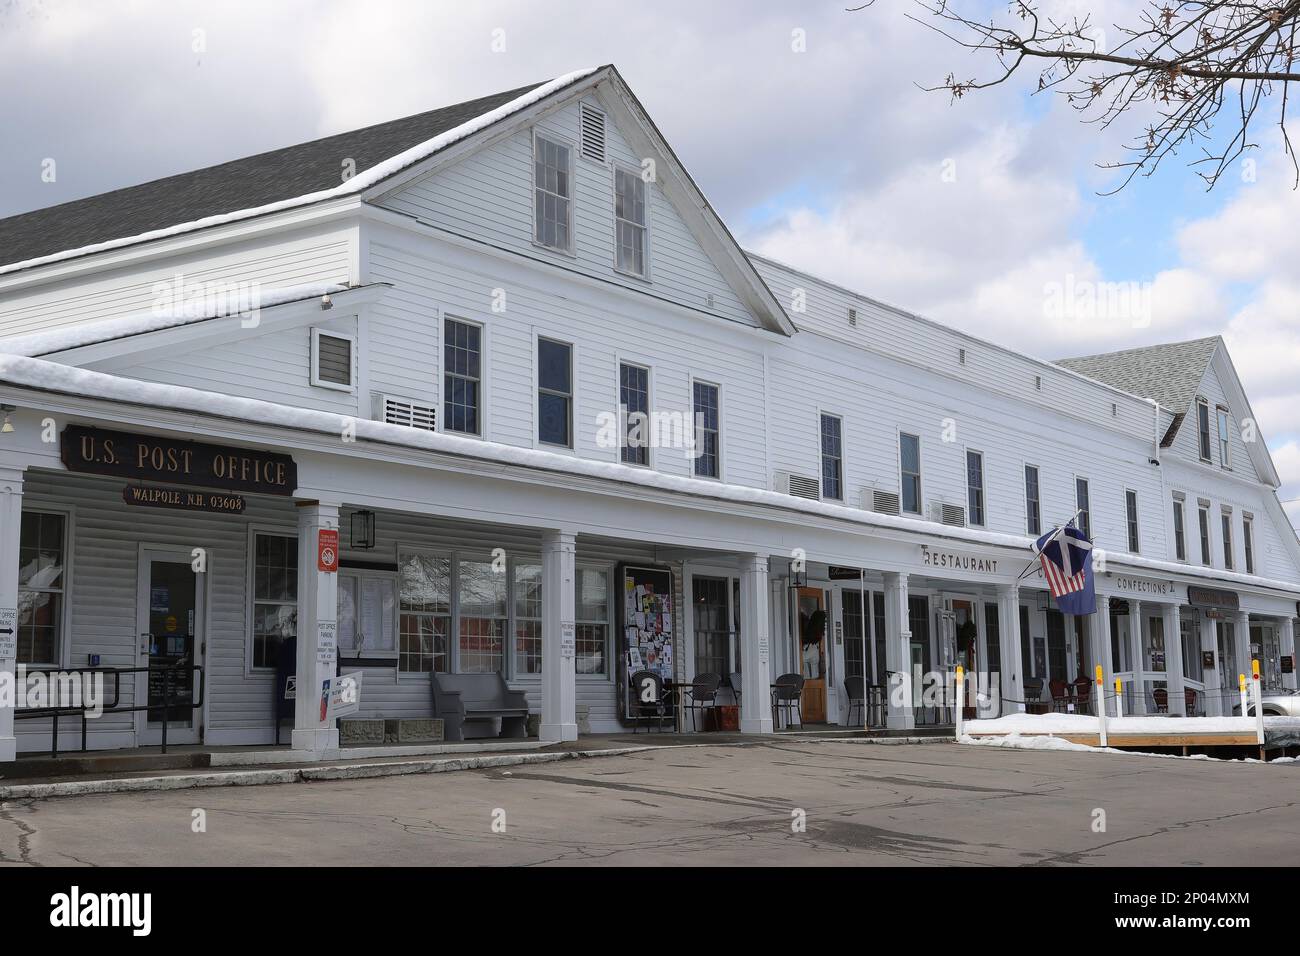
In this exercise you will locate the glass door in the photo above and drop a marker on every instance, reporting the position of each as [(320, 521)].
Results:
[(171, 613)]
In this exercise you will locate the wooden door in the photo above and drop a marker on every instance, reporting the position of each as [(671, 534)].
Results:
[(811, 653)]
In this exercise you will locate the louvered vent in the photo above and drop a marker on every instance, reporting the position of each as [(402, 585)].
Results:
[(801, 486), (593, 133), (882, 502), (853, 317), (945, 513), (400, 411)]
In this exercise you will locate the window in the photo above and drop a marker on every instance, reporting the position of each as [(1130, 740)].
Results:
[(554, 393), (832, 458), (481, 590), (708, 460), (1180, 534), (629, 222), (1248, 539), (878, 633), (1203, 427), (712, 625), (975, 486), (909, 455), (425, 584), (1081, 502), (462, 362), (1033, 510), (553, 182), (1189, 626), (855, 661), (1224, 450), (1026, 658), (1203, 514), (1131, 519), (634, 397), (1226, 521), (331, 360), (42, 558), (993, 640), (592, 616), (528, 619), (275, 596)]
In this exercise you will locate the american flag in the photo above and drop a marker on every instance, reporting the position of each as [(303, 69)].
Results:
[(1066, 557)]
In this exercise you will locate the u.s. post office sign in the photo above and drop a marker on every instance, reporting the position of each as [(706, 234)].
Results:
[(96, 451)]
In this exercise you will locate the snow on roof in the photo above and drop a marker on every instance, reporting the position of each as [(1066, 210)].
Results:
[(243, 300), (53, 377), (358, 183)]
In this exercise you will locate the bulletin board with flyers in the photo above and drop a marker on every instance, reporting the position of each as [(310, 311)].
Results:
[(645, 624)]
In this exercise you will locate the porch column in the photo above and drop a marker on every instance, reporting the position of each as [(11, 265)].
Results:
[(11, 522), (898, 652), (1243, 647), (1214, 699), (1013, 667), (1136, 633), (317, 628), (756, 666), (1174, 659), (1286, 636), (1100, 635), (559, 684)]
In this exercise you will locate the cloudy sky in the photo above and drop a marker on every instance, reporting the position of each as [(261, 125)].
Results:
[(831, 158)]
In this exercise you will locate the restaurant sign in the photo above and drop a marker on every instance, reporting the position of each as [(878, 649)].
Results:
[(151, 458), (184, 499), (1213, 598), (949, 560)]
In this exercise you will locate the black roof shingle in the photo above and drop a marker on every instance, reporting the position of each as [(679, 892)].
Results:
[(229, 187)]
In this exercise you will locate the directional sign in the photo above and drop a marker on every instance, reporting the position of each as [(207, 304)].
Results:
[(8, 633)]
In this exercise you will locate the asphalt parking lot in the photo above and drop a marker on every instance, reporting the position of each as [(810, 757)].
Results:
[(782, 802)]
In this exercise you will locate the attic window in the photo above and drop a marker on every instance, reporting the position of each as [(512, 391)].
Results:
[(331, 360), (593, 133)]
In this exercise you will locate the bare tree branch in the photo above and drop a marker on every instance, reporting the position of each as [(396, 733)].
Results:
[(1180, 62)]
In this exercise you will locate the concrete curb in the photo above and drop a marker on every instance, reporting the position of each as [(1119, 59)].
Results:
[(255, 778)]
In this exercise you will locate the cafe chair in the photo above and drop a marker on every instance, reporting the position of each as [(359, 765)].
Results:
[(702, 694), (1159, 701), (1083, 693), (1033, 695), (645, 699), (1060, 692), (855, 688), (787, 695)]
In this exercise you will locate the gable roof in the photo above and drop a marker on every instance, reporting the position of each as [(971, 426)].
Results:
[(242, 188), (1169, 374)]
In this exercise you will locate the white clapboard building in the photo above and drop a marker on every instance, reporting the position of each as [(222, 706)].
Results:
[(492, 389)]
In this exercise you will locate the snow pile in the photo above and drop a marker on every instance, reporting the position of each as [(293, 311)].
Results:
[(1084, 724), (358, 183), (242, 301)]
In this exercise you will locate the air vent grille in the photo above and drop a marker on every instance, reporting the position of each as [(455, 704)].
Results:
[(593, 133), (401, 411), (801, 486), (881, 502), (944, 513)]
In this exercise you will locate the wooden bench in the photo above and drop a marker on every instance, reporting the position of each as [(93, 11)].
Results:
[(458, 698)]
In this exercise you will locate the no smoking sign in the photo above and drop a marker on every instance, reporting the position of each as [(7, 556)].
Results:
[(327, 550)]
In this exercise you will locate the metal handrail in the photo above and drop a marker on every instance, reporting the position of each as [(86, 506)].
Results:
[(168, 701)]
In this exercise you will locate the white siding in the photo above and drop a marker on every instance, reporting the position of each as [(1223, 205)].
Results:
[(488, 196)]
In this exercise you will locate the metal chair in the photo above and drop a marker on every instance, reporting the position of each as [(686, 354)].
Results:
[(1159, 700), (1192, 702), (645, 696), (856, 690), (702, 694), (1033, 695), (787, 695)]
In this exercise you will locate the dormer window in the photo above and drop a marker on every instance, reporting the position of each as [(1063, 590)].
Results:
[(553, 188), (331, 360), (629, 222), (1203, 428), (1224, 447)]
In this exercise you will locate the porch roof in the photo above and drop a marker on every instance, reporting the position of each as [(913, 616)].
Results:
[(46, 376)]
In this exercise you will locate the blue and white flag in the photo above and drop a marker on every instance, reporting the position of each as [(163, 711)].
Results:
[(1066, 556)]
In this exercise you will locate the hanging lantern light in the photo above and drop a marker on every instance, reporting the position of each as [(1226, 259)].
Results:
[(363, 530)]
